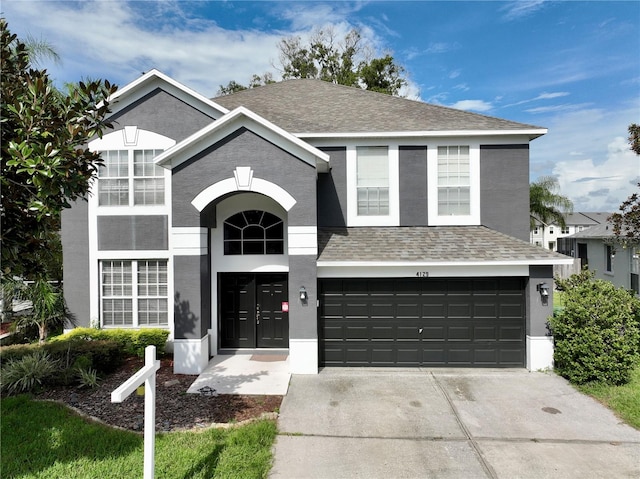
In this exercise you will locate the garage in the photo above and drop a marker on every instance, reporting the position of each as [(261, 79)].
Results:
[(430, 322)]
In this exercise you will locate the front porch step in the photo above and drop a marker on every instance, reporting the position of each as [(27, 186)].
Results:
[(253, 351)]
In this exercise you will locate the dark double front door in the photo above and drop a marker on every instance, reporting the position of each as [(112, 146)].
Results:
[(251, 310)]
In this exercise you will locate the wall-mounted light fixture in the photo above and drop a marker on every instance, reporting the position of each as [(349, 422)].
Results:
[(543, 289), (303, 294)]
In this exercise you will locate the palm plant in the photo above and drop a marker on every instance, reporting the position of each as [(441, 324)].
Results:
[(48, 308), (546, 204)]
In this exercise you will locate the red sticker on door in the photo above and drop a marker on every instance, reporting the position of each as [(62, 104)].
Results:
[(285, 306)]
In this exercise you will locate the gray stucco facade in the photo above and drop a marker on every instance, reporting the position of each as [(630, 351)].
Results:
[(225, 163)]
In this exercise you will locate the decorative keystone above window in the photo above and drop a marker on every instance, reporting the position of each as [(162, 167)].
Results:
[(130, 135), (244, 177)]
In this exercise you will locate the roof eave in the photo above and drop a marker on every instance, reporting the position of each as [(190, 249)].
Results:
[(532, 134), (523, 262)]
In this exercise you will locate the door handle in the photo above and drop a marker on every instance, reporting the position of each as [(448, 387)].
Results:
[(257, 314)]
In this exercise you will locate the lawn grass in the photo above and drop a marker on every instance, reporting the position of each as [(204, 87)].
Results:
[(47, 440), (623, 400)]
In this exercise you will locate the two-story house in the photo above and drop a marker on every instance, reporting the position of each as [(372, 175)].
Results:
[(548, 236), (347, 227)]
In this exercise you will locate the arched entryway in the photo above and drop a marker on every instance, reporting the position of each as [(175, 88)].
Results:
[(249, 266)]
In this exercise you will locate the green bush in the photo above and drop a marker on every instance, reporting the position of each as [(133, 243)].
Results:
[(27, 373), (103, 356), (597, 333), (132, 341)]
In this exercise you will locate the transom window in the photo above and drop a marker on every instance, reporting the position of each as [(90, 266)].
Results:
[(372, 186), (134, 293), (454, 184), (253, 232), (130, 177)]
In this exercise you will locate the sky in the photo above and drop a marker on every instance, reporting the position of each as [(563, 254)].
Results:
[(570, 66)]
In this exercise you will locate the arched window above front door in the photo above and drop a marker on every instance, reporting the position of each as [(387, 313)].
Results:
[(253, 232)]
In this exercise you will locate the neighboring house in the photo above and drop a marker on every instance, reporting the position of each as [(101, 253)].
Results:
[(600, 252), (346, 227), (547, 235)]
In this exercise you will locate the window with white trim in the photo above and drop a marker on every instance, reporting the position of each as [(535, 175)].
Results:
[(454, 184), (134, 293), (253, 232), (130, 177), (372, 180)]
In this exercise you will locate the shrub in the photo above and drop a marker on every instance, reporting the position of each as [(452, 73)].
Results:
[(27, 373), (597, 333), (88, 378), (132, 341), (103, 356)]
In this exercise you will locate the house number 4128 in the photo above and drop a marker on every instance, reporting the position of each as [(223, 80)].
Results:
[(422, 274)]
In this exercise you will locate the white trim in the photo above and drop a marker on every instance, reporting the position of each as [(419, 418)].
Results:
[(132, 138), (393, 218), (417, 270), (303, 356), (474, 188), (190, 356), (230, 185), (302, 240), (539, 352), (189, 241), (231, 122), (531, 133), (130, 254)]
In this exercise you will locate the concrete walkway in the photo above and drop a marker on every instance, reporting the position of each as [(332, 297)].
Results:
[(355, 423), (260, 374)]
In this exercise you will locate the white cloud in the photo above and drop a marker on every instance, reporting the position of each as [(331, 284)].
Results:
[(556, 108), (117, 47), (603, 186), (521, 8), (587, 150), (475, 105)]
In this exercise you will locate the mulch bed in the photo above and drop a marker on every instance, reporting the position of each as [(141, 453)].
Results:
[(175, 409)]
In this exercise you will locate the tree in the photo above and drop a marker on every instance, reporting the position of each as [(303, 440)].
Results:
[(324, 57), (634, 137), (626, 224), (45, 161), (546, 205)]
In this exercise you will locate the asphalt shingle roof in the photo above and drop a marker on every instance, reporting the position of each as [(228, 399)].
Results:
[(315, 106), (427, 244)]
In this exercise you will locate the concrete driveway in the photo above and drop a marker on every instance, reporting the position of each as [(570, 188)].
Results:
[(362, 423)]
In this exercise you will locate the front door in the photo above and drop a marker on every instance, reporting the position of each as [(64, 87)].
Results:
[(251, 310)]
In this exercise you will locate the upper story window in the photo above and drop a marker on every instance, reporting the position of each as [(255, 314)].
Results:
[(550, 230), (609, 254), (130, 177), (253, 232), (454, 184), (565, 230), (536, 231), (372, 183)]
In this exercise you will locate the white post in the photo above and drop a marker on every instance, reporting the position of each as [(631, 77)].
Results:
[(147, 375), (150, 415)]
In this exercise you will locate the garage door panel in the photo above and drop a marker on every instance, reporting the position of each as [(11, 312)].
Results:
[(469, 322), (512, 333), (434, 310)]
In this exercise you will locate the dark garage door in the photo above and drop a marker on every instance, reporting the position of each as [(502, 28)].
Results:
[(466, 322)]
